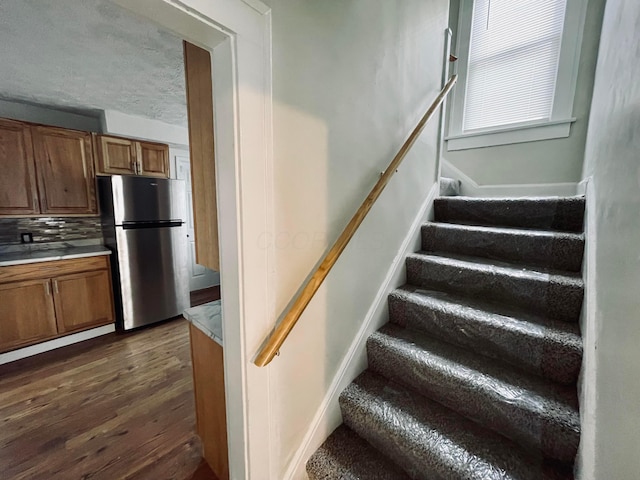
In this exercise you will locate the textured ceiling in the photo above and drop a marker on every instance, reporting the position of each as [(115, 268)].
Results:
[(90, 55)]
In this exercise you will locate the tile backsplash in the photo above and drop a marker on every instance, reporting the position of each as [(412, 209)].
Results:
[(49, 229)]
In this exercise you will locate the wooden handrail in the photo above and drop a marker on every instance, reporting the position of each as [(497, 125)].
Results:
[(277, 338)]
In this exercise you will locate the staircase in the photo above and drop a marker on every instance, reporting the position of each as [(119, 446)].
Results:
[(475, 375)]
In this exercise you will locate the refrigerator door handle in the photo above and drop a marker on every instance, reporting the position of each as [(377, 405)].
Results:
[(155, 224)]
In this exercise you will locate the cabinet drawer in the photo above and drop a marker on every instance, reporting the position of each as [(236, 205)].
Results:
[(55, 268)]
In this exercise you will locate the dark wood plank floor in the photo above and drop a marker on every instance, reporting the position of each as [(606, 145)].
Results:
[(116, 407)]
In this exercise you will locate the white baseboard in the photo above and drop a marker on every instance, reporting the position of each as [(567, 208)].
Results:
[(55, 343), (328, 416), (471, 189)]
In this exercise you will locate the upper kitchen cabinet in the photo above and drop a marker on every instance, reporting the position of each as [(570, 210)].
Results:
[(64, 162), (116, 156), (153, 159), (18, 192), (123, 156)]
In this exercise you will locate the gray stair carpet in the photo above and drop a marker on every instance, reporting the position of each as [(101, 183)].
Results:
[(449, 187), (474, 376)]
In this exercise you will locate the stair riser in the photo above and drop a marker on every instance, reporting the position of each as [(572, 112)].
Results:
[(548, 295), (565, 215), (540, 353), (532, 421), (563, 252)]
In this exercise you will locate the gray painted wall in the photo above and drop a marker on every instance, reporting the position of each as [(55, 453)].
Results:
[(611, 409), (547, 161)]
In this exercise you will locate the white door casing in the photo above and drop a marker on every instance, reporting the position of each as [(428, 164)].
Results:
[(238, 33)]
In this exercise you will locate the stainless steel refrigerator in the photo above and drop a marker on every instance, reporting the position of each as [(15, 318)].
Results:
[(143, 225)]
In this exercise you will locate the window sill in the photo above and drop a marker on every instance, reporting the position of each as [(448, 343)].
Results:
[(510, 135)]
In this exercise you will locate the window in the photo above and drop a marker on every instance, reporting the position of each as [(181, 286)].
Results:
[(518, 69)]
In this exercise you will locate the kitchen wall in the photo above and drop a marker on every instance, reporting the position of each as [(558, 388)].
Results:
[(49, 229), (26, 112), (611, 405), (350, 81), (548, 161)]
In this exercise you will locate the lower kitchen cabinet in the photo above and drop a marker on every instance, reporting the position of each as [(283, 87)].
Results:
[(27, 313), (83, 300), (41, 301)]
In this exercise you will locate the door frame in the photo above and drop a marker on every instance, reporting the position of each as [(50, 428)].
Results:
[(238, 35)]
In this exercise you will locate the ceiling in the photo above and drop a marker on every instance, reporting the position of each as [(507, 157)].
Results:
[(90, 55)]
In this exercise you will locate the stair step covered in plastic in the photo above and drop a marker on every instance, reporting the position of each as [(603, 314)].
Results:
[(564, 214)]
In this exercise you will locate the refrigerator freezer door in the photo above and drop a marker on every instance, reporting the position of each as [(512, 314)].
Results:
[(154, 281), (142, 199)]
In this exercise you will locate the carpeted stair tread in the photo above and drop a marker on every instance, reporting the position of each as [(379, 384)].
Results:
[(549, 348), (475, 376), (430, 441), (557, 250), (346, 456), (545, 292), (545, 213), (527, 409)]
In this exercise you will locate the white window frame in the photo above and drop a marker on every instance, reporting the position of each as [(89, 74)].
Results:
[(557, 126)]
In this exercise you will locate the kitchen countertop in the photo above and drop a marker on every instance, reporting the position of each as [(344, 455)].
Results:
[(208, 319), (48, 255)]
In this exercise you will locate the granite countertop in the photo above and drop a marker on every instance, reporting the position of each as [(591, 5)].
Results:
[(208, 319), (61, 252)]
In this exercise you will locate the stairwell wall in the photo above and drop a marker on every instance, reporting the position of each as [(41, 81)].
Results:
[(611, 398), (350, 81)]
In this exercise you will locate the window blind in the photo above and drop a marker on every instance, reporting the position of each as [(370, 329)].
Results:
[(513, 61)]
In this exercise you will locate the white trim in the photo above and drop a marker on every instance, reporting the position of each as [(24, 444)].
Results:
[(587, 391), (470, 188), (55, 343), (510, 135), (567, 79), (238, 34), (328, 417)]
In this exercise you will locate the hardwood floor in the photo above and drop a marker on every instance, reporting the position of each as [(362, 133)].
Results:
[(112, 408)]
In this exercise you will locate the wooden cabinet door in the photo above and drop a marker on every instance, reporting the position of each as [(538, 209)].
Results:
[(64, 161), (116, 156), (83, 300), (27, 313), (153, 159), (18, 192)]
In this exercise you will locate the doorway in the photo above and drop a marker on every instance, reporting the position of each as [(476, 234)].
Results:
[(237, 33)]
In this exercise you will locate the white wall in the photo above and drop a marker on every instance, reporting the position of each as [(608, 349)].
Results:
[(123, 124), (350, 79), (547, 161), (611, 431), (26, 112)]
